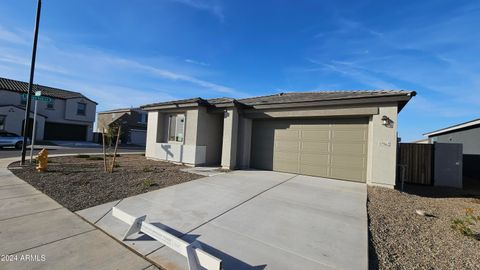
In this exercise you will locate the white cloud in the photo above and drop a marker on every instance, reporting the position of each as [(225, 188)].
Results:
[(190, 61), (12, 37), (211, 6), (111, 80)]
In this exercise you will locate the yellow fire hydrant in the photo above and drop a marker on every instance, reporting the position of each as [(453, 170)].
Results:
[(42, 160)]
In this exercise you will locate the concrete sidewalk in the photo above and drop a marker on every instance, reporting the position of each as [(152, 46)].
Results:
[(252, 220), (38, 233)]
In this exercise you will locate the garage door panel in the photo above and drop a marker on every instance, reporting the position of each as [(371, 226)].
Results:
[(342, 173), (350, 148), (285, 157), (315, 159), (285, 166), (348, 162), (61, 131), (349, 135), (287, 146), (315, 135), (287, 135), (315, 147), (314, 170), (334, 148)]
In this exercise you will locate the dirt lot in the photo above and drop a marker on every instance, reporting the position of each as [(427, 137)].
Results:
[(402, 239), (79, 182)]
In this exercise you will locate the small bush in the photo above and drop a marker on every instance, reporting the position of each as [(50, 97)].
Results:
[(116, 165), (95, 158), (148, 169), (149, 183), (111, 155), (82, 156), (464, 224)]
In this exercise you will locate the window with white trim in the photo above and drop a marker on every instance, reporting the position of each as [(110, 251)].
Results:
[(176, 128)]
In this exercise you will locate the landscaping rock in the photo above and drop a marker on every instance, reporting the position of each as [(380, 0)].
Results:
[(400, 238), (79, 183)]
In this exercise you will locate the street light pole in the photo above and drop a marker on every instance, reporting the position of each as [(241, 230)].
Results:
[(26, 123)]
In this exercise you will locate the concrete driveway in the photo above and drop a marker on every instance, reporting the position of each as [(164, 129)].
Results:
[(253, 220)]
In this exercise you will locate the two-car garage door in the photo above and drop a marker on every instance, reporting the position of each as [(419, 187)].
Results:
[(334, 148), (69, 132)]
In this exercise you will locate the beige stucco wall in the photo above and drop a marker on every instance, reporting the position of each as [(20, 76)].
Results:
[(244, 142), (152, 133), (382, 147), (230, 135), (189, 152), (209, 134)]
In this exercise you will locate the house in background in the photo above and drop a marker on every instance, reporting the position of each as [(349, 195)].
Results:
[(348, 135), (132, 120), (467, 134), (69, 116)]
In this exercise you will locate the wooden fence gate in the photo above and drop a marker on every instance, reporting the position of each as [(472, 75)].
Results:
[(417, 160)]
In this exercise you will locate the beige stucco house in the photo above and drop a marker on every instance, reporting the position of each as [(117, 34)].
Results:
[(348, 135), (133, 122), (67, 116)]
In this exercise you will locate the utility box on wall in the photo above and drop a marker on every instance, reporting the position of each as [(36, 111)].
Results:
[(448, 159)]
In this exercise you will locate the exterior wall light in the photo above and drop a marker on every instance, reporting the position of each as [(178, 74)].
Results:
[(386, 121)]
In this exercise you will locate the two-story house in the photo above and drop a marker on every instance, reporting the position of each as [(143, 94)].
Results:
[(68, 116), (132, 120)]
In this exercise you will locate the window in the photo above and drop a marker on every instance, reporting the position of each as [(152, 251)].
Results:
[(176, 127), (142, 118), (50, 104), (81, 108), (2, 122)]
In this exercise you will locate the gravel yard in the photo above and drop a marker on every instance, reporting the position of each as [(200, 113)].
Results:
[(80, 182), (402, 239)]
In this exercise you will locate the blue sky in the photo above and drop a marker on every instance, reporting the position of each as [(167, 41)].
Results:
[(128, 53)]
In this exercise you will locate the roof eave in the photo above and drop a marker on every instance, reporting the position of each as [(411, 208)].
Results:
[(365, 100), (171, 106)]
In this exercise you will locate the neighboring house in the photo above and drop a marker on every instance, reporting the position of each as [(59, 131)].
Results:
[(468, 134), (349, 135), (422, 141), (132, 120), (69, 116)]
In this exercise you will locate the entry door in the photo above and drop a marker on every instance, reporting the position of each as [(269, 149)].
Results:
[(333, 148)]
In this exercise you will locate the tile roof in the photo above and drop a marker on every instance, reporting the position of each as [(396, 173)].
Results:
[(122, 110), (22, 87), (212, 101), (291, 97)]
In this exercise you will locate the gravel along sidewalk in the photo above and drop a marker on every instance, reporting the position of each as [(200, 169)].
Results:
[(401, 238), (79, 182)]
